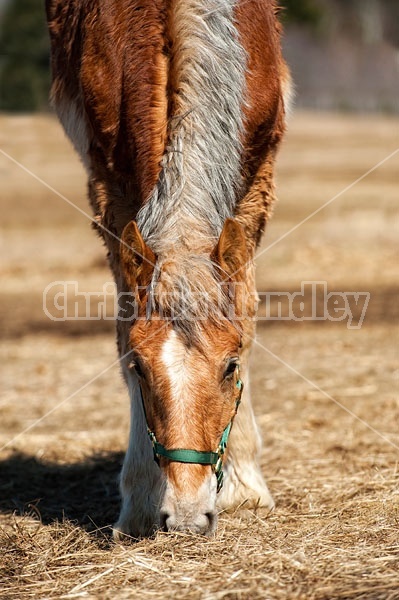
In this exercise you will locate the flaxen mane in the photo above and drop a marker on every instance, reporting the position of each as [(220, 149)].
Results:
[(200, 177)]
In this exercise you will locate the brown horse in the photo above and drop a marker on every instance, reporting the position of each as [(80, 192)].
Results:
[(176, 108)]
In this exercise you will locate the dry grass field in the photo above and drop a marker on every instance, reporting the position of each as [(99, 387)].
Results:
[(325, 395)]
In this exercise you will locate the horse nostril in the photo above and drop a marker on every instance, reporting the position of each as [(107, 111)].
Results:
[(164, 516), (212, 521)]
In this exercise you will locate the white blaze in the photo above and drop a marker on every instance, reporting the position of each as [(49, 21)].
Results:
[(174, 357)]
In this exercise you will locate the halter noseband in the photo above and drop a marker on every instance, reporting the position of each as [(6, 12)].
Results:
[(199, 457)]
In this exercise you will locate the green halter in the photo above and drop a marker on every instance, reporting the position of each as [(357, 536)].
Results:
[(198, 457)]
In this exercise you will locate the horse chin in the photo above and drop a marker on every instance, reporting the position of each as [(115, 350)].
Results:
[(194, 513)]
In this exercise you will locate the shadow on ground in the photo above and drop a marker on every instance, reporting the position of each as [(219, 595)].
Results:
[(84, 492)]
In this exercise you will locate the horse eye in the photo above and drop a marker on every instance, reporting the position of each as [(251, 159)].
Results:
[(136, 366), (231, 367)]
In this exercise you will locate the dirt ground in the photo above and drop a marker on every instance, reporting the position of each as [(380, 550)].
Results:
[(325, 393)]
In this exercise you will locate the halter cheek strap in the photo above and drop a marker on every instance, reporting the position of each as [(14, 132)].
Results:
[(199, 457)]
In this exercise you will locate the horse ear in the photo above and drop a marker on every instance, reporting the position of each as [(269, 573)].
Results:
[(138, 260), (230, 253)]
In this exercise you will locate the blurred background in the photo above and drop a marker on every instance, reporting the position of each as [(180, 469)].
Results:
[(344, 54)]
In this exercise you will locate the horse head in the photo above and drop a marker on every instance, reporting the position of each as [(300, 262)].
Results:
[(183, 360)]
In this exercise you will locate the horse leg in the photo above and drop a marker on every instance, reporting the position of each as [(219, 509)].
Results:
[(140, 480), (243, 480)]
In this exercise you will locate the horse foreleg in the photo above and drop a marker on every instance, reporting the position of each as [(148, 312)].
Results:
[(140, 480), (243, 481)]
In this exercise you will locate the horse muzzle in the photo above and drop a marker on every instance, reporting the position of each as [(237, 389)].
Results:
[(193, 512)]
